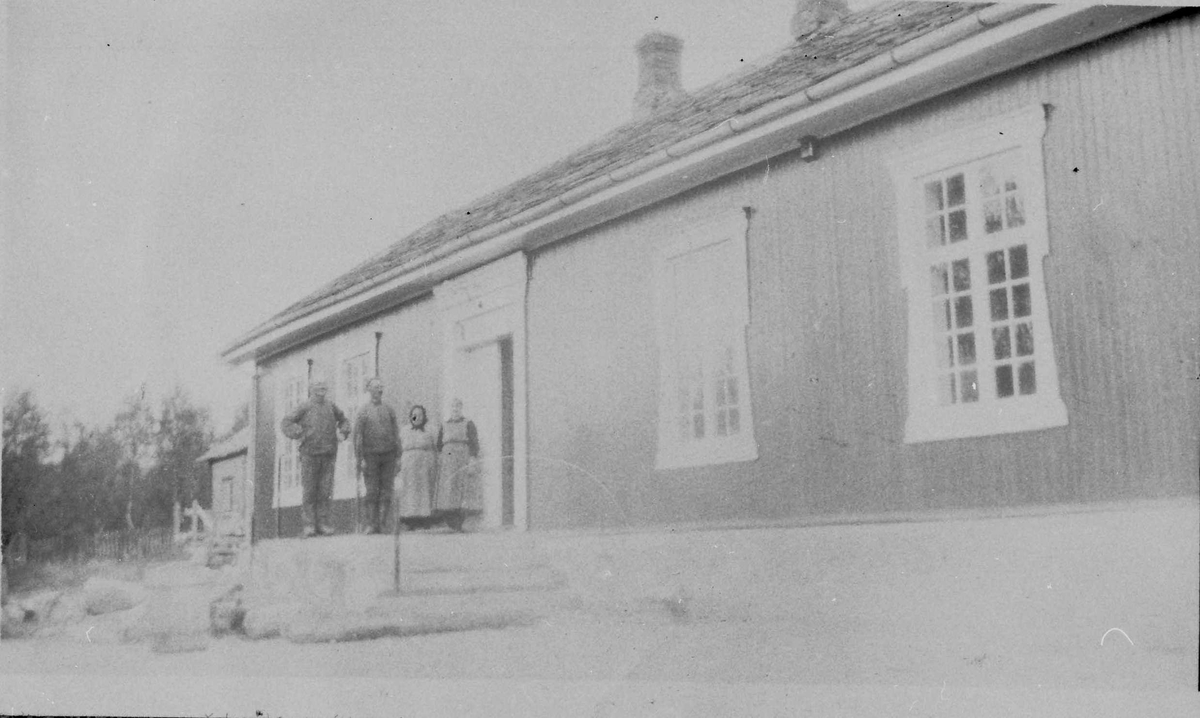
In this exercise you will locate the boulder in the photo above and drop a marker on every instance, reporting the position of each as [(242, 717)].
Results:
[(15, 621), (69, 609), (177, 614), (14, 612), (311, 626), (133, 626), (226, 613), (269, 620), (103, 595), (41, 604)]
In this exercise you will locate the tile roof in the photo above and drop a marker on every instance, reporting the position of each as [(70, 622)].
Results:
[(860, 37)]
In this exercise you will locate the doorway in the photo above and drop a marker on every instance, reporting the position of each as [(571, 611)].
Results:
[(486, 388), (483, 322)]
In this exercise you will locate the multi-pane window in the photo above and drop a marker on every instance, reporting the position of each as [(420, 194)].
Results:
[(725, 395), (1011, 307), (707, 387), (703, 313), (973, 235), (980, 284), (954, 331), (353, 374), (293, 391)]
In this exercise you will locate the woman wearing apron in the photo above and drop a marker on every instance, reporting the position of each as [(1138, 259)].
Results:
[(458, 492), (418, 466)]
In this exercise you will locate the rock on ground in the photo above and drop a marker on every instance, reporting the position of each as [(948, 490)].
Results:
[(133, 627), (226, 613), (40, 604), (270, 620), (70, 608), (15, 621), (103, 595), (177, 613)]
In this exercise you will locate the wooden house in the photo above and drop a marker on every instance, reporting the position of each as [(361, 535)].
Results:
[(228, 483), (927, 257)]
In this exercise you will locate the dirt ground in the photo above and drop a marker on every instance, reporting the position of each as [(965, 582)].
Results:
[(576, 660), (1092, 614)]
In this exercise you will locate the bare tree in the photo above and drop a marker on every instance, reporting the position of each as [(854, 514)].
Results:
[(135, 428), (183, 434)]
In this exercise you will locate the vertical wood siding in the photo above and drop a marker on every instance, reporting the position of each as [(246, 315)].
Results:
[(828, 333)]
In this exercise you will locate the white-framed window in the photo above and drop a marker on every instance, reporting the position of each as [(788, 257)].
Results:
[(355, 369), (703, 311), (293, 390), (973, 235)]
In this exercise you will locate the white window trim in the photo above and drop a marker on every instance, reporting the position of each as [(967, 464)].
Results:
[(672, 452), (345, 471), (1021, 131), (293, 495)]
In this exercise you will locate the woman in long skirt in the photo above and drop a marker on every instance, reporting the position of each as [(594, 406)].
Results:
[(418, 466), (458, 493)]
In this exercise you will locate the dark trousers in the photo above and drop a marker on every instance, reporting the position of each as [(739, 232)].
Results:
[(379, 475), (316, 477)]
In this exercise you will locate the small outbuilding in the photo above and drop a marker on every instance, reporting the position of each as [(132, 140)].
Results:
[(227, 474)]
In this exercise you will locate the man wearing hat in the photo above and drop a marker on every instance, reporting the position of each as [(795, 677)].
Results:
[(318, 424), (376, 446)]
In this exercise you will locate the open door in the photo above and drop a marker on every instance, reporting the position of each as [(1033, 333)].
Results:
[(485, 383), (483, 320)]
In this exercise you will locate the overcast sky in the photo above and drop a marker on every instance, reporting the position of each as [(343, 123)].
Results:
[(177, 172)]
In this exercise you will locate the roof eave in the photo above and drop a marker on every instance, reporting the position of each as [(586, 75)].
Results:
[(984, 44), (218, 456)]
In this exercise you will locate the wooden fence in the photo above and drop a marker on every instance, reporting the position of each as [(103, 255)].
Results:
[(129, 545), (136, 545)]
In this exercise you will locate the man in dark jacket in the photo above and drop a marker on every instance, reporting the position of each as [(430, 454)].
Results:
[(377, 446), (318, 424)]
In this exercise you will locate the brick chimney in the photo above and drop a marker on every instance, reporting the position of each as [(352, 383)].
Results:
[(659, 76), (813, 16)]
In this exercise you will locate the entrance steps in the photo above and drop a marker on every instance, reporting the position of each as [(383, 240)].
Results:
[(355, 571), (344, 587)]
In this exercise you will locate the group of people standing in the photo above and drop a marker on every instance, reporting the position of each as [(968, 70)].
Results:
[(437, 473)]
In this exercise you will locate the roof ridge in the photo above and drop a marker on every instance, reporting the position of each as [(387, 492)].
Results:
[(781, 73)]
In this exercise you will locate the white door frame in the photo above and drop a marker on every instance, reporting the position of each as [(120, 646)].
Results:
[(479, 382), (482, 306)]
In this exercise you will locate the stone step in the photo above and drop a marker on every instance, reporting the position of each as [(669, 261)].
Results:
[(445, 582), (409, 615), (349, 572)]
